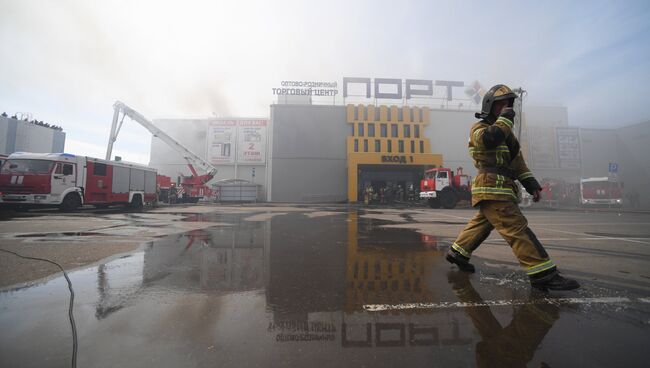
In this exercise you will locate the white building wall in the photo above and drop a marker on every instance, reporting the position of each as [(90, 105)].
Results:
[(21, 136)]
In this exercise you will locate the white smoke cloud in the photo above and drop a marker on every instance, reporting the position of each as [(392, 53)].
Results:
[(68, 61)]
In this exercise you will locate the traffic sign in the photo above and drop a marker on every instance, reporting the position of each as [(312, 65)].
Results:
[(613, 167)]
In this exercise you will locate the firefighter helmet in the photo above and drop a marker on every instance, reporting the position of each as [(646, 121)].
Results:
[(496, 93)]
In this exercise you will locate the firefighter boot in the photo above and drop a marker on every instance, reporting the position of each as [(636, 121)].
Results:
[(553, 281), (460, 261)]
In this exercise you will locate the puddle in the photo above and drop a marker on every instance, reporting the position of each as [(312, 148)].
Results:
[(59, 235), (292, 290)]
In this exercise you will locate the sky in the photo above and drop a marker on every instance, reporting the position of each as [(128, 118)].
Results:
[(67, 61)]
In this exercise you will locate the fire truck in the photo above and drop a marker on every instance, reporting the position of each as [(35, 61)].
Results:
[(441, 187), (600, 191), (69, 181), (193, 187)]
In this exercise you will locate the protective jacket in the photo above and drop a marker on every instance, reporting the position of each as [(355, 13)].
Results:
[(497, 156)]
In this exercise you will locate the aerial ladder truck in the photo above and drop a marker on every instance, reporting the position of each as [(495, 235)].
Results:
[(194, 186)]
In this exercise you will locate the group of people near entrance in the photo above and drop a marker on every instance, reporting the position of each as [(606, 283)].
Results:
[(389, 194)]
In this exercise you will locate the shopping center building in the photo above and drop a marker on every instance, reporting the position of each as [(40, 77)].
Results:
[(327, 148)]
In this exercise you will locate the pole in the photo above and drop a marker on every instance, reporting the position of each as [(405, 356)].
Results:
[(236, 146), (519, 109)]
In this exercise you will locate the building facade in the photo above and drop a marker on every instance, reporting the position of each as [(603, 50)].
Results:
[(22, 136), (331, 153)]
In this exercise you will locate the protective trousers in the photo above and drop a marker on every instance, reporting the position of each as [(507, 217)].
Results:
[(507, 219)]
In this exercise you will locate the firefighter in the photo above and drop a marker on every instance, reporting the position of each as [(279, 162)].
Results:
[(367, 198), (497, 156), (173, 194)]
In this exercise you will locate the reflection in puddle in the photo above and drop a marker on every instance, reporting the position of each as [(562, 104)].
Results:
[(289, 290)]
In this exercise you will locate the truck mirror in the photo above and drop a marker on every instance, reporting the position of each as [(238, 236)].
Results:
[(67, 169)]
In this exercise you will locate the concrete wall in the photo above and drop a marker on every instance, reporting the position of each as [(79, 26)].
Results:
[(21, 136), (633, 151), (448, 131), (546, 116), (598, 149), (308, 158)]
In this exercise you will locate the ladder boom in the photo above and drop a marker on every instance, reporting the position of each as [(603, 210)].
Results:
[(189, 156)]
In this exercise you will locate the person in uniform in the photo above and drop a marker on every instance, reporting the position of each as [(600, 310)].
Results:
[(497, 156)]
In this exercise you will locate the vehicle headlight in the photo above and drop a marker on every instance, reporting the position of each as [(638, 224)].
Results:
[(40, 197)]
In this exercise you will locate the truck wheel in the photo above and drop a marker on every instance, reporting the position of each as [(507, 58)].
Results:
[(70, 202), (448, 199), (136, 202), (434, 202)]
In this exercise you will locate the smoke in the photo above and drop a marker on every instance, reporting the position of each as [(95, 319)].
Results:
[(68, 61)]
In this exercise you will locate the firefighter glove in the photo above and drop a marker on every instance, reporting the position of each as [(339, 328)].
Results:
[(531, 185)]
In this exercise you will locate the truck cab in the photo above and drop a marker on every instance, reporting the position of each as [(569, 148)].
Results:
[(600, 191), (441, 187), (42, 179)]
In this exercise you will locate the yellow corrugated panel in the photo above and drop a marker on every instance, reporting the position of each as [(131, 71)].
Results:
[(361, 113), (425, 115), (383, 113), (406, 114), (416, 114), (350, 113), (371, 113), (393, 113)]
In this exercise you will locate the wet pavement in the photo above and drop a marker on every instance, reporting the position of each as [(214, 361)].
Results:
[(334, 288)]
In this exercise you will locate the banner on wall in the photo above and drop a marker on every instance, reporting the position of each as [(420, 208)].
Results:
[(246, 137), (568, 147), (221, 141), (251, 147), (543, 147)]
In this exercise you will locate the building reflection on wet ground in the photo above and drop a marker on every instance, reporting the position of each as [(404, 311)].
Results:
[(290, 291)]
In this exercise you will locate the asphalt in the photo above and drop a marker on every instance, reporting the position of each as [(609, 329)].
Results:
[(324, 286)]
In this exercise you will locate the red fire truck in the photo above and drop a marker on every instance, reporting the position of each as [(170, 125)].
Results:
[(600, 191), (440, 187), (69, 181)]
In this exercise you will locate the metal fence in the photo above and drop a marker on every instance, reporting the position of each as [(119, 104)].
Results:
[(236, 191)]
